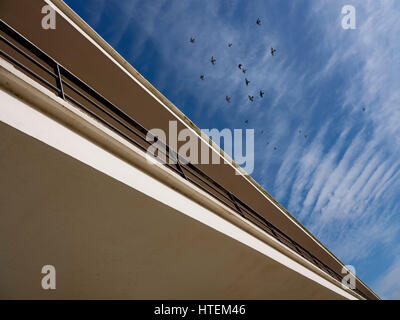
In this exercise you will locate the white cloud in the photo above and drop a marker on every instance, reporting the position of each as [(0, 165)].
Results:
[(388, 285), (346, 188)]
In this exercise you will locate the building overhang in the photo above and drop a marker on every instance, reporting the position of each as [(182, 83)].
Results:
[(195, 236)]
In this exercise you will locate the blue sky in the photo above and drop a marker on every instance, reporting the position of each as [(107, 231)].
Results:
[(343, 181)]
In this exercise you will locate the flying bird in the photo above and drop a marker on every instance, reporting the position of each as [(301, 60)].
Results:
[(275, 148), (213, 60), (240, 66), (229, 44), (299, 131), (244, 70), (228, 99), (261, 94), (273, 51), (247, 82), (258, 21), (305, 136), (202, 77), (251, 98), (192, 40), (246, 122), (363, 109)]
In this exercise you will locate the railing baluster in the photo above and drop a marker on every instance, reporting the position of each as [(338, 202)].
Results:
[(59, 81), (236, 205), (179, 167)]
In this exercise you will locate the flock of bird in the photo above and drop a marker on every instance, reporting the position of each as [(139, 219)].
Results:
[(272, 51), (213, 61), (240, 66)]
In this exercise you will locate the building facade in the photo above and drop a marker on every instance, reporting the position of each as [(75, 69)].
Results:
[(78, 192)]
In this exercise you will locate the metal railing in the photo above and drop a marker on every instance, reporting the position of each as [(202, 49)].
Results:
[(70, 88)]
